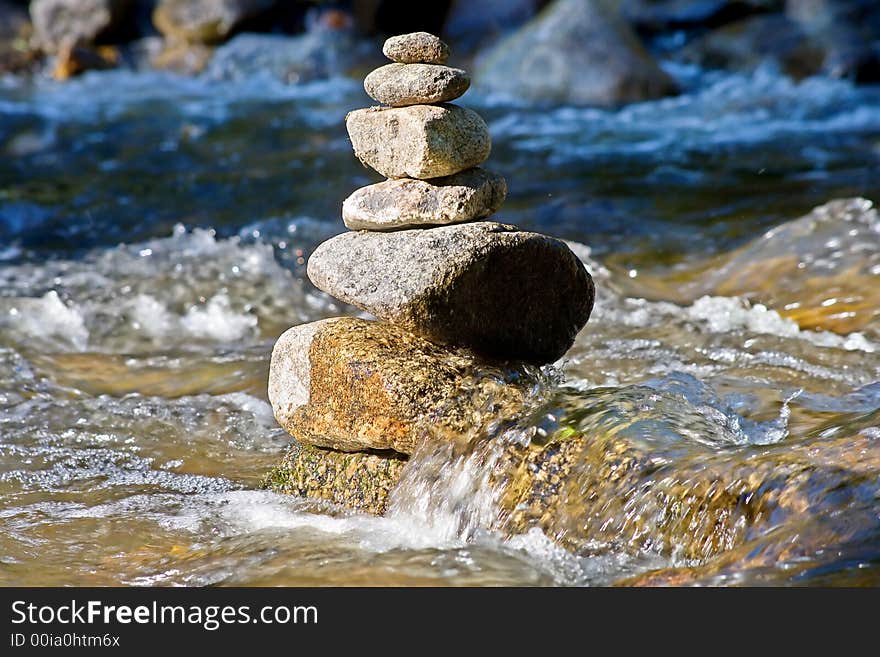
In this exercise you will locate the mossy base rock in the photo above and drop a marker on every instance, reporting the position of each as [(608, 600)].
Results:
[(407, 203), (619, 489), (357, 481), (420, 141), (204, 21), (608, 485), (416, 48), (400, 85), (74, 22), (354, 385), (503, 292), (578, 52)]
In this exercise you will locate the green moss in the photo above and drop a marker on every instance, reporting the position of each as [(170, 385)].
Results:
[(356, 480)]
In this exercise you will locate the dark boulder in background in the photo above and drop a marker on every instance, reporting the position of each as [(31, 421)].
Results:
[(580, 52)]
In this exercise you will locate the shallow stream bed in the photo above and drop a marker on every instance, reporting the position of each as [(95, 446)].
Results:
[(153, 235)]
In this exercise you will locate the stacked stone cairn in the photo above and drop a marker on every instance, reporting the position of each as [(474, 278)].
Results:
[(456, 296)]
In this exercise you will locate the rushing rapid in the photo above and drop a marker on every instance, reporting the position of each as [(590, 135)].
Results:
[(154, 235)]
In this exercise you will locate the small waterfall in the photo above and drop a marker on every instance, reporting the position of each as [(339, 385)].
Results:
[(448, 489)]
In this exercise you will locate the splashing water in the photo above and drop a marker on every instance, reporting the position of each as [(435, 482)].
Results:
[(717, 422)]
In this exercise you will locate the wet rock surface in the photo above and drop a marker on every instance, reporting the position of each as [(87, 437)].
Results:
[(810, 269), (746, 506), (358, 481)]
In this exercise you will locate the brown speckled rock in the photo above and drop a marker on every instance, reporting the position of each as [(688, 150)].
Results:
[(420, 141), (416, 48), (400, 85), (407, 203), (357, 481), (503, 292), (353, 385), (584, 485)]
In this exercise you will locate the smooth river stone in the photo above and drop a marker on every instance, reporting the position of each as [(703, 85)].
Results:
[(400, 85), (503, 292), (416, 48), (352, 385), (406, 203), (420, 141)]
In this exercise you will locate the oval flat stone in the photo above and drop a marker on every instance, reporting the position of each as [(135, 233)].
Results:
[(406, 203), (500, 291), (416, 48), (419, 141), (400, 85)]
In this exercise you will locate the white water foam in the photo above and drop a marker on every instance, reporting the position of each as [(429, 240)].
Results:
[(725, 314), (217, 321), (47, 318)]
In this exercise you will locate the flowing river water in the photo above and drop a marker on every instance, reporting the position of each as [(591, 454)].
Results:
[(154, 234)]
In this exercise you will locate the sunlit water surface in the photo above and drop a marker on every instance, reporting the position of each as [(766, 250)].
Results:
[(154, 234)]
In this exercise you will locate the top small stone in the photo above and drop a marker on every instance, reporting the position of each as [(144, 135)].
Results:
[(416, 48)]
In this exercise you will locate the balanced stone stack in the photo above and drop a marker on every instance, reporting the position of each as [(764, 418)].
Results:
[(458, 296)]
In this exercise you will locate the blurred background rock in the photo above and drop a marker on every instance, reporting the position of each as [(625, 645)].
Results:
[(581, 52)]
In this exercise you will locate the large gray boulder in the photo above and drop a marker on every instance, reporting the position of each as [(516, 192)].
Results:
[(578, 52), (503, 292), (356, 480), (400, 85), (420, 141), (408, 203), (74, 22)]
